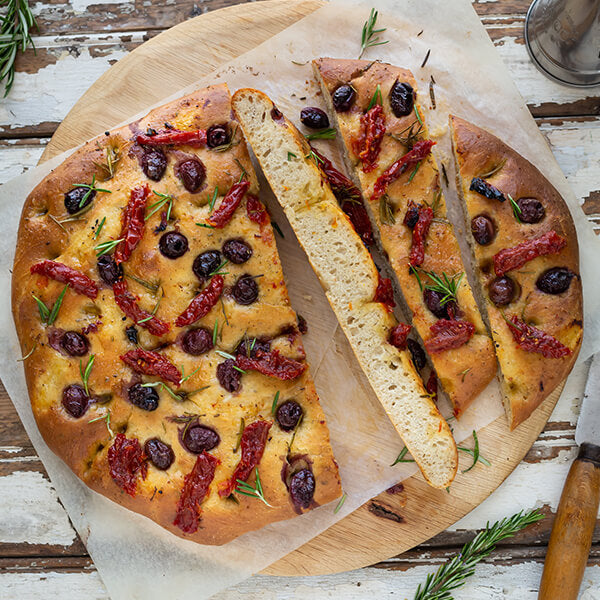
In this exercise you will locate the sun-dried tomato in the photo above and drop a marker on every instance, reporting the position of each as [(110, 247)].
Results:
[(271, 363), (152, 363), (532, 339), (431, 387), (256, 210), (368, 144), (132, 223), (419, 235), (448, 335), (398, 335), (200, 306), (514, 258), (252, 444), (223, 213), (349, 198), (126, 301), (78, 282), (384, 293), (127, 460), (196, 486), (419, 151), (195, 137)]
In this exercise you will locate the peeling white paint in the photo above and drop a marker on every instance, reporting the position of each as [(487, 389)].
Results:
[(80, 6)]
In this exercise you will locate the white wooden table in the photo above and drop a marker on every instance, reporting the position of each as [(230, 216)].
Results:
[(40, 553)]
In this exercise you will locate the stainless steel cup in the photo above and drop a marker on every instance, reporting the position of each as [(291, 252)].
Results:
[(563, 39)]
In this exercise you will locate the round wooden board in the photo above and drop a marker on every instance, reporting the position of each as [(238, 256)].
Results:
[(177, 58)]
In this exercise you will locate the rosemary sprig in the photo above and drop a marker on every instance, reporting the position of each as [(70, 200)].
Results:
[(104, 417), (154, 310), (411, 136), (376, 98), (474, 452), (464, 373), (426, 58), (163, 199), (432, 92), (48, 315), (452, 574), (291, 155), (312, 156), (443, 284), (86, 371), (238, 441), (106, 247), (254, 492), (99, 228), (340, 504), (17, 23), (215, 331), (232, 142), (243, 174), (400, 458), (153, 287), (218, 271), (412, 175), (186, 418), (207, 225), (230, 356), (211, 201), (515, 208), (370, 36), (418, 115), (160, 384), (386, 211), (275, 401), (185, 377), (325, 134), (493, 170), (113, 156), (24, 358), (91, 187)]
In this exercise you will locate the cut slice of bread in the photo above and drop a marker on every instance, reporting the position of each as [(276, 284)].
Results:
[(465, 371), (349, 278)]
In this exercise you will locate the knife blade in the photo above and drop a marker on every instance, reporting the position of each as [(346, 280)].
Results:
[(588, 424)]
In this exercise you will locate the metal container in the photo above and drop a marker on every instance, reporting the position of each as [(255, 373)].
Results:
[(563, 39)]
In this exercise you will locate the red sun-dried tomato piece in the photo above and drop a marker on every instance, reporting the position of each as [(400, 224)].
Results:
[(126, 301), (196, 137), (252, 444), (132, 223), (271, 363), (196, 486), (223, 213), (349, 198), (419, 235), (532, 339), (256, 210), (398, 335), (368, 144), (514, 258), (384, 293), (431, 387), (448, 335), (78, 282), (419, 151), (200, 306), (127, 461), (152, 363)]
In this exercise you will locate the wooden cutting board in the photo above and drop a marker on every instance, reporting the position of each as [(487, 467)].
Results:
[(389, 524)]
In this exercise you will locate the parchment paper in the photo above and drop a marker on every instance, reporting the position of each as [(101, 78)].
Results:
[(135, 557)]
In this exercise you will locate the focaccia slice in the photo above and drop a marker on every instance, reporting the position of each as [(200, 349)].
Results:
[(350, 279), (164, 361), (526, 253), (382, 130)]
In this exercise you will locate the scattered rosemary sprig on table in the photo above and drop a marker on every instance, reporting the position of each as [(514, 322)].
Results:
[(400, 458), (48, 315), (474, 452), (325, 134), (15, 34), (453, 574), (340, 504), (254, 492), (370, 36)]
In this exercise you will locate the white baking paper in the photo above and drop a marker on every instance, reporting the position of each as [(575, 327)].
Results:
[(135, 557)]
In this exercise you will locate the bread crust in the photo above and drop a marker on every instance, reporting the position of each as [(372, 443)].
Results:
[(83, 445), (454, 367), (528, 378)]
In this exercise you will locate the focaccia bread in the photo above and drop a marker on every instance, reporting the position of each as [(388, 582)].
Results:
[(357, 294), (525, 247), (386, 147), (163, 359)]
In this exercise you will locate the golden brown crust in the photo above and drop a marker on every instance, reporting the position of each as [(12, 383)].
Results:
[(528, 377), (84, 445), (454, 367)]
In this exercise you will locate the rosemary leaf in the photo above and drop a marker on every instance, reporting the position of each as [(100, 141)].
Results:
[(386, 211), (400, 458), (340, 504), (370, 36), (426, 58), (246, 489), (515, 208), (106, 247), (86, 372), (325, 134), (275, 401), (240, 432), (54, 312), (99, 228), (291, 155), (474, 452), (24, 358), (376, 98)]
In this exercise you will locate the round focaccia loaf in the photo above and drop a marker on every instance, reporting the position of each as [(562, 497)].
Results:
[(209, 411)]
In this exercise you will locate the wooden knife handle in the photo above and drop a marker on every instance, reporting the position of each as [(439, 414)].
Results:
[(573, 528)]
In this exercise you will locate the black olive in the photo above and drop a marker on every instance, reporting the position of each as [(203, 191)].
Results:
[(412, 215), (343, 98), (302, 488), (110, 272), (145, 398), (217, 135), (250, 346), (75, 344), (483, 229), (314, 118), (288, 415), (74, 199), (75, 401), (173, 244), (192, 174), (481, 186), (417, 353), (197, 341), (132, 334), (555, 281), (532, 210), (237, 251), (161, 455), (433, 301), (206, 263), (154, 163), (228, 376), (198, 438), (245, 290), (402, 99), (502, 291)]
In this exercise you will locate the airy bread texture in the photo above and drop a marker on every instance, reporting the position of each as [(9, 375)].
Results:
[(349, 278)]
